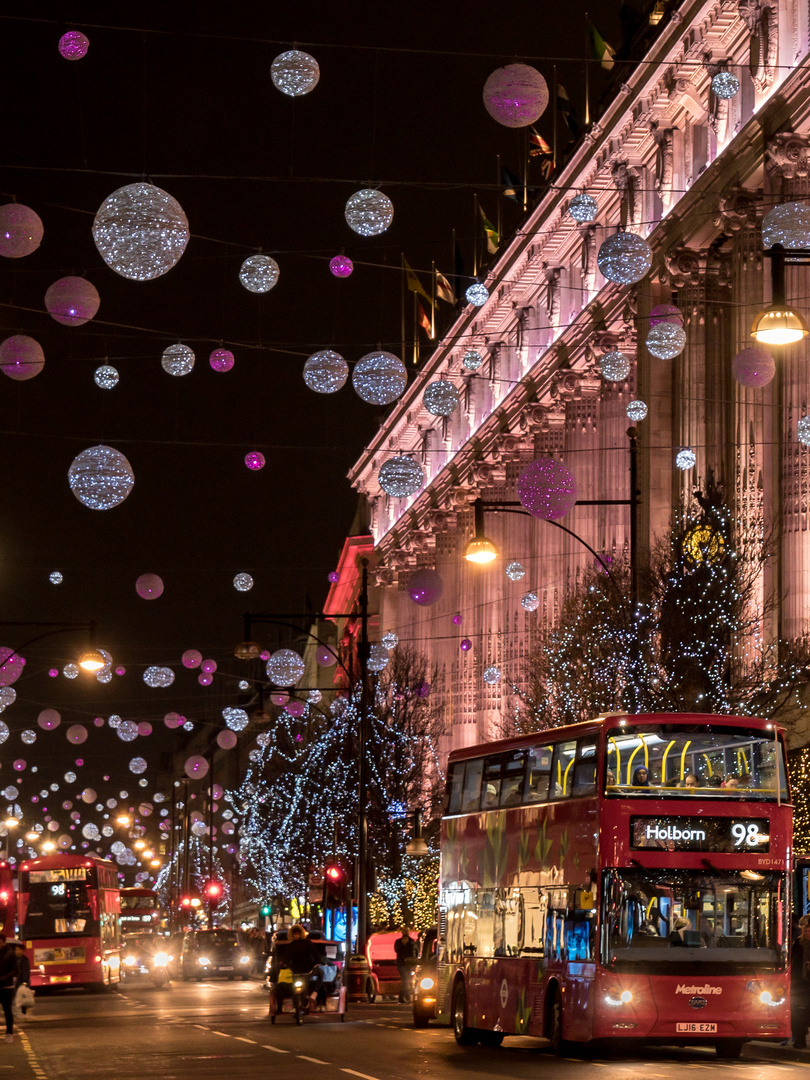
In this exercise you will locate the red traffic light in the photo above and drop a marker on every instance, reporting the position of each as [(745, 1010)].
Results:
[(333, 874), (213, 890), (185, 901)]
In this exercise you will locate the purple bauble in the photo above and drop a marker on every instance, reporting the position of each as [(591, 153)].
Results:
[(73, 45), (547, 489), (457, 620), (205, 678), (465, 644), (149, 586), (515, 95), (426, 587), (191, 658), (295, 708), (333, 576), (222, 360), (255, 460), (666, 313), (72, 301), (209, 666), (196, 766), (341, 266), (753, 367), (20, 230), (21, 357)]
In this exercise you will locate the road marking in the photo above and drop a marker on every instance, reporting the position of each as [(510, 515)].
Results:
[(224, 1034), (241, 1038), (315, 1061), (275, 1049), (364, 1076), (36, 1068)]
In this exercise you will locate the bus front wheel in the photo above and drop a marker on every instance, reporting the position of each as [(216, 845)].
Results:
[(554, 1026), (465, 1036), (729, 1048)]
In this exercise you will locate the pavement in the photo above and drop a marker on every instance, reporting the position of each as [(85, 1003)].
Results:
[(774, 1051)]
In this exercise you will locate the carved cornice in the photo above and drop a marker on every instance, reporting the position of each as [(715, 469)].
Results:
[(762, 19), (738, 209), (788, 155), (685, 266)]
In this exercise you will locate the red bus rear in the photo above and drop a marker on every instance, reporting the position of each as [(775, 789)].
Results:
[(68, 909), (8, 907), (588, 891)]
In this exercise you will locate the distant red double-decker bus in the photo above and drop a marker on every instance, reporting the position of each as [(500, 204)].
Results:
[(68, 908), (141, 911), (8, 907), (622, 878)]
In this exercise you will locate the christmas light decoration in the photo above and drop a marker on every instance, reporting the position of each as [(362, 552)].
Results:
[(685, 459), (100, 477), (377, 657), (106, 377), (138, 765), (754, 367), (49, 719), (221, 360), (21, 357), (73, 45), (341, 266), (255, 460), (725, 85), (140, 231), (515, 571), (72, 301), (666, 340), (158, 677), (583, 208), (530, 601), (243, 582), (465, 644), (426, 587), (55, 577), (21, 231), (285, 667), (259, 273), (472, 360), (636, 411), (787, 224), (196, 767), (401, 476), (295, 73), (624, 258), (515, 95), (803, 430), (8, 695), (547, 489), (149, 586), (615, 366), (379, 378), (477, 294), (667, 313), (440, 398), (369, 212), (326, 372), (390, 640), (235, 719), (492, 675), (191, 658)]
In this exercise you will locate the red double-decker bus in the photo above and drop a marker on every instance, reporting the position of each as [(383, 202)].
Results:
[(141, 911), (8, 907), (68, 908), (622, 878)]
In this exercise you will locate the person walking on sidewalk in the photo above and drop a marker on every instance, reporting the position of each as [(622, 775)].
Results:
[(8, 984), (405, 951), (800, 985)]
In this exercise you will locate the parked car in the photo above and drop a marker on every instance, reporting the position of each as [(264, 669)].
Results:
[(203, 954), (425, 983)]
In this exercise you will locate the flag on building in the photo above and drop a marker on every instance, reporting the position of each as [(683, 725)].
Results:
[(444, 290), (493, 240), (413, 282), (539, 146), (512, 188), (567, 109), (424, 319), (602, 52)]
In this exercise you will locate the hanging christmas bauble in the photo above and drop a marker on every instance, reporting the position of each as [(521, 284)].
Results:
[(389, 639), (243, 582), (666, 340), (440, 398), (624, 258), (21, 357), (196, 767), (295, 73), (472, 360), (106, 377), (636, 410), (787, 224), (140, 231), (803, 430), (583, 207), (379, 378), (158, 678), (21, 230), (235, 719), (401, 476), (377, 657), (72, 301), (666, 313), (285, 667), (515, 95), (425, 587), (221, 360), (615, 366), (685, 459), (753, 367), (725, 85), (369, 212), (547, 489), (341, 266), (515, 571), (326, 372), (73, 45), (255, 460), (100, 477), (492, 675), (259, 273), (149, 586), (530, 601), (477, 294)]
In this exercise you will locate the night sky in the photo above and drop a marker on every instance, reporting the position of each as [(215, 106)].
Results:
[(181, 95)]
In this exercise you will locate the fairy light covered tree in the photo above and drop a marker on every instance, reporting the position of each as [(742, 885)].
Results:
[(200, 862)]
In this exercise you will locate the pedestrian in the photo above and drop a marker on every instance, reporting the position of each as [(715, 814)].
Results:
[(23, 994), (8, 979), (405, 950), (800, 985)]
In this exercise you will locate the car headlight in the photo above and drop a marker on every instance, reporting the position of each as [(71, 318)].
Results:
[(130, 961), (203, 961), (426, 984), (161, 959), (244, 959)]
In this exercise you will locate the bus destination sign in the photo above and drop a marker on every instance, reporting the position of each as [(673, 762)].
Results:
[(700, 834)]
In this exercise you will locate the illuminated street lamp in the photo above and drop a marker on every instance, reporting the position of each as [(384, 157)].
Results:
[(779, 324)]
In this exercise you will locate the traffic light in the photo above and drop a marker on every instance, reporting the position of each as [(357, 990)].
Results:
[(333, 875), (189, 903), (213, 890), (266, 909)]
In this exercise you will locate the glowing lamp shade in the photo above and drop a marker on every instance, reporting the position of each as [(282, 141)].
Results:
[(285, 667), (787, 224), (636, 410), (401, 476), (93, 660), (21, 357), (140, 231), (341, 266), (515, 95), (326, 372), (259, 273), (379, 378), (753, 367), (615, 366), (472, 360), (21, 231), (255, 460), (72, 301), (725, 85), (149, 586), (477, 294), (369, 212), (583, 207), (666, 340), (426, 587), (73, 45), (624, 258), (196, 767), (295, 73), (100, 477), (776, 325), (547, 489), (221, 360), (440, 398), (481, 550)]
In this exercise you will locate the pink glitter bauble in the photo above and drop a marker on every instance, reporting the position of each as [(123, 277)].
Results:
[(21, 357), (209, 666), (666, 313), (324, 657), (295, 708), (753, 367), (280, 697), (226, 739), (120, 670), (333, 576), (264, 655), (12, 667), (20, 231), (72, 301), (222, 360), (73, 45), (341, 266), (99, 721), (456, 620), (515, 95), (191, 658), (19, 765), (76, 733), (547, 489), (205, 678), (144, 728), (465, 645), (196, 766), (149, 586), (173, 720), (53, 673), (255, 460), (49, 719), (426, 587)]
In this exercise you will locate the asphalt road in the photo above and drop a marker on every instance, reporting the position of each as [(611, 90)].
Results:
[(220, 1030)]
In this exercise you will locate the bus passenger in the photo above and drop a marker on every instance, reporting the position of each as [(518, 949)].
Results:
[(641, 778), (680, 925), (691, 781), (731, 781)]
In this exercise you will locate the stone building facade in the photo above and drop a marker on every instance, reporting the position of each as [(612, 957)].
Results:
[(693, 174)]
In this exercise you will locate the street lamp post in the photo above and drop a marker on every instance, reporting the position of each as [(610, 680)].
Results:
[(90, 660)]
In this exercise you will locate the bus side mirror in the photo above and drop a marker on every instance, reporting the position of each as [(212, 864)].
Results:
[(587, 900)]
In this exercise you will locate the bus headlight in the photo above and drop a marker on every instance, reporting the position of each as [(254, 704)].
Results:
[(203, 961), (767, 995), (615, 996), (160, 959), (244, 959), (426, 984)]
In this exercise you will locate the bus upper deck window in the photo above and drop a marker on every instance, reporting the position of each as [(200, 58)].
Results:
[(538, 771), (471, 796)]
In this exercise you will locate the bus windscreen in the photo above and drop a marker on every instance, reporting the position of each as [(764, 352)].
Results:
[(57, 908)]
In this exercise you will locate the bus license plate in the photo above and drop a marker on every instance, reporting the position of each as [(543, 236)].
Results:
[(60, 978), (227, 968), (696, 1029)]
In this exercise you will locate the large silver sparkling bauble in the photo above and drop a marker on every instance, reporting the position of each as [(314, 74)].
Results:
[(259, 273), (472, 360), (243, 582), (477, 294), (583, 207), (8, 695), (235, 719), (515, 95), (636, 410), (624, 258), (295, 73), (158, 677), (803, 430), (401, 476), (615, 366), (105, 377), (787, 224), (377, 657), (55, 577), (440, 398), (140, 231), (685, 459), (177, 360), (369, 212), (285, 667), (492, 675), (725, 85), (515, 571), (100, 477), (530, 601), (666, 340), (390, 640), (326, 371), (379, 378)]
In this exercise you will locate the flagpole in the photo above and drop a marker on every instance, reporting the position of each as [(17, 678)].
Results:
[(587, 69), (433, 302), (475, 236), (498, 189), (525, 172), (554, 128), (403, 291), (415, 330)]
